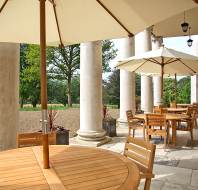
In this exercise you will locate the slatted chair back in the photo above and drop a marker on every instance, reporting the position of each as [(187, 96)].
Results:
[(129, 115), (141, 152), (192, 110), (160, 110), (155, 120), (34, 139)]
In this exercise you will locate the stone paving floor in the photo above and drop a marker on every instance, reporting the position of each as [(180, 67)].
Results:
[(174, 169)]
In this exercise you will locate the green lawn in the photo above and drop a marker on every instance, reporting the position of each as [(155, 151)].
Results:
[(57, 107)]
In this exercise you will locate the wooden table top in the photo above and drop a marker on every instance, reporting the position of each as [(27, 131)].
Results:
[(169, 116), (175, 110), (183, 105), (72, 167)]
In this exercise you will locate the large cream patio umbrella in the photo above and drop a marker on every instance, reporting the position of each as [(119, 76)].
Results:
[(75, 21), (161, 61)]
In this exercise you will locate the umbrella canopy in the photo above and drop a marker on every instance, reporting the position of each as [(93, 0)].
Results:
[(161, 61), (152, 62), (75, 21), (171, 27)]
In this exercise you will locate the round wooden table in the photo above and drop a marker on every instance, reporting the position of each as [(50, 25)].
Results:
[(183, 105), (176, 110), (72, 167), (174, 118)]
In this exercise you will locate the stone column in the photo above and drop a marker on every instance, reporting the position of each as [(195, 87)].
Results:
[(91, 92), (156, 44), (194, 88), (9, 98), (127, 81), (147, 93), (194, 79), (143, 44)]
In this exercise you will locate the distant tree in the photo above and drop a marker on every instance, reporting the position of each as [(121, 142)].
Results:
[(23, 91), (57, 92), (183, 88), (65, 61), (76, 89), (169, 95), (111, 89), (30, 73)]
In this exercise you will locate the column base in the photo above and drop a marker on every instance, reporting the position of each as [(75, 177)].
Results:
[(78, 141), (122, 122), (91, 135)]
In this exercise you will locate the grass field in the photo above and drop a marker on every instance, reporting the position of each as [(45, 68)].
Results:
[(28, 107)]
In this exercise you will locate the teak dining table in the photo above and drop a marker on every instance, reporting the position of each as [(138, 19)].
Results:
[(176, 110), (72, 168), (173, 118)]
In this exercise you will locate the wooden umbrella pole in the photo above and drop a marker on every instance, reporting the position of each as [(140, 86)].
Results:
[(44, 84), (162, 81)]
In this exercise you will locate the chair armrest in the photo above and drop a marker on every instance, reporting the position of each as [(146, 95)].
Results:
[(146, 175)]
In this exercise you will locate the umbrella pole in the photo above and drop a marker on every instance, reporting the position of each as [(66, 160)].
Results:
[(162, 81), (44, 85)]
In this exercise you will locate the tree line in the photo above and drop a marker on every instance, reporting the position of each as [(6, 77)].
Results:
[(63, 65), (63, 78)]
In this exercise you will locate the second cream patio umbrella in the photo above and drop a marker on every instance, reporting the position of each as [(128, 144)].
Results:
[(75, 21), (161, 61)]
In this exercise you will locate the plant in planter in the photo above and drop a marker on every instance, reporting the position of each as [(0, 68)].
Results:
[(108, 123), (62, 134)]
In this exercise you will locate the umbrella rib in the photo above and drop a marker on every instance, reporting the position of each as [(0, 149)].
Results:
[(4, 4), (140, 65), (57, 23), (169, 61), (186, 66), (153, 61), (115, 18)]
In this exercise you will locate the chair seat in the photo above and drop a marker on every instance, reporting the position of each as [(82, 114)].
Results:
[(156, 132)]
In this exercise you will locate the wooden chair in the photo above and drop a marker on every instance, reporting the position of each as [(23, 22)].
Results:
[(159, 110), (195, 105), (142, 153), (134, 123), (33, 139), (156, 125), (189, 124)]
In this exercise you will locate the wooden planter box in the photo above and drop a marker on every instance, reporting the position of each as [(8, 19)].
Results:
[(109, 125), (59, 137)]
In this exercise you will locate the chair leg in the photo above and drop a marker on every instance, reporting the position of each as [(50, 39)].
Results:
[(144, 133), (133, 133), (168, 135), (165, 137), (129, 131), (161, 129), (147, 184), (191, 135), (147, 137)]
